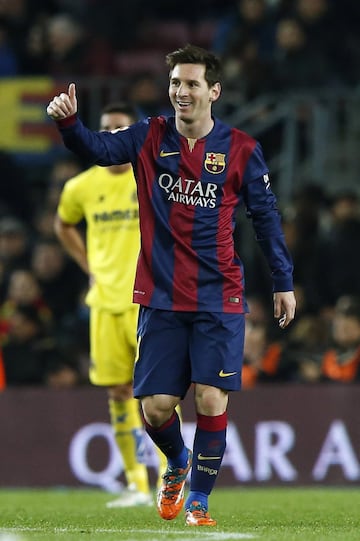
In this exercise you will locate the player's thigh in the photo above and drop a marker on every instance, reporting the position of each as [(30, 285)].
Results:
[(162, 365), (112, 347), (216, 349)]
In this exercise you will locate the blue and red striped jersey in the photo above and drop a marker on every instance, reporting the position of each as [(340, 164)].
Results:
[(189, 192)]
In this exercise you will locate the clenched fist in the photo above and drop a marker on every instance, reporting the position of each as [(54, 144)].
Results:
[(64, 105)]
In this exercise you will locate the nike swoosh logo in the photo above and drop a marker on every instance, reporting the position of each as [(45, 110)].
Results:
[(201, 457), (164, 154), (223, 374)]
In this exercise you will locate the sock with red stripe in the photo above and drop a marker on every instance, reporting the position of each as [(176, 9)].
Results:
[(209, 448), (169, 440)]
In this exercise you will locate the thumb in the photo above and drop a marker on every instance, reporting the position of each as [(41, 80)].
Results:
[(72, 95)]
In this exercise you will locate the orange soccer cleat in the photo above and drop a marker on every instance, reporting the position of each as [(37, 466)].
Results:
[(171, 494), (197, 515)]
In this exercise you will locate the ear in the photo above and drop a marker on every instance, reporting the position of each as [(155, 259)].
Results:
[(215, 92)]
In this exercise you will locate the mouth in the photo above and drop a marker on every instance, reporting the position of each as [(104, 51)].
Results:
[(183, 105)]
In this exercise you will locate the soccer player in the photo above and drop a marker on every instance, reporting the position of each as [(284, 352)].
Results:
[(106, 198), (192, 173)]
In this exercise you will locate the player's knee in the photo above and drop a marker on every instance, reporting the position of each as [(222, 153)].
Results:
[(210, 400), (158, 409)]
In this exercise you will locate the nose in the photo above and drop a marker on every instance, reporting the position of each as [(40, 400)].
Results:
[(181, 90)]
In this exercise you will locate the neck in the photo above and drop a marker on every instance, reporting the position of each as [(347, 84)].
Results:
[(195, 130)]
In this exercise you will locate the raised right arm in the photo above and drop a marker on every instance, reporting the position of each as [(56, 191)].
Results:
[(102, 148)]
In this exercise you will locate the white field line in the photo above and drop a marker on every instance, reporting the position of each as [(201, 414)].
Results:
[(201, 534)]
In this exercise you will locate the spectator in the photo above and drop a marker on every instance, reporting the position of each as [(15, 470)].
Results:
[(337, 253), (31, 357), (72, 52), (346, 51), (340, 361), (17, 15), (306, 343), (14, 191), (43, 222), (34, 59), (297, 66), (119, 35), (146, 93), (265, 360), (23, 290), (75, 333), (259, 311), (248, 20), (321, 24), (60, 279), (8, 58), (59, 45), (15, 244), (247, 47)]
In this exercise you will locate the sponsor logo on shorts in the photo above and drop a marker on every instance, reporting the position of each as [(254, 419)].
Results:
[(223, 374)]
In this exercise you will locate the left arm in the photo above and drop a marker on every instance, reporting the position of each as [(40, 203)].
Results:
[(262, 209)]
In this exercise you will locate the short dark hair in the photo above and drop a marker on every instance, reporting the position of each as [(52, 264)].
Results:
[(191, 54), (123, 107)]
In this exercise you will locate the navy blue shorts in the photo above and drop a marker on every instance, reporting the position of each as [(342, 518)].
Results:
[(176, 349)]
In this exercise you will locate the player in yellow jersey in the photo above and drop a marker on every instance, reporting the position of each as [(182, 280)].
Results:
[(105, 197)]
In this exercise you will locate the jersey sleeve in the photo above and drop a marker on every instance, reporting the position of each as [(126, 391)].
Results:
[(261, 208), (256, 166), (102, 148)]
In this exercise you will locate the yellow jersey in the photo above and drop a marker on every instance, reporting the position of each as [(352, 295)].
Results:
[(108, 203)]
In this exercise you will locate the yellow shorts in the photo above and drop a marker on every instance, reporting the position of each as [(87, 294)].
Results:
[(112, 346)]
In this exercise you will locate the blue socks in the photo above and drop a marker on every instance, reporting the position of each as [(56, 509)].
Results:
[(170, 441), (209, 448), (179, 461)]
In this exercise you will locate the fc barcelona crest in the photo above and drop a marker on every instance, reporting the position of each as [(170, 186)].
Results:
[(214, 162)]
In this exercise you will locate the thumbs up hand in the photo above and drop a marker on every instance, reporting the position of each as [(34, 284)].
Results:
[(64, 105)]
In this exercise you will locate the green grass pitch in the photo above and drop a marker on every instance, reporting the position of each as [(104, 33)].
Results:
[(270, 514)]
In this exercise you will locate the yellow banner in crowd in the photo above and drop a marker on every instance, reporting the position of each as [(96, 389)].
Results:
[(25, 126)]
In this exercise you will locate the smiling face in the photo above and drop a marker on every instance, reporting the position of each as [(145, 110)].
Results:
[(192, 97)]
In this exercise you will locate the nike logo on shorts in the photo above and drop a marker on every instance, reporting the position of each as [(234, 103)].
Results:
[(223, 374)]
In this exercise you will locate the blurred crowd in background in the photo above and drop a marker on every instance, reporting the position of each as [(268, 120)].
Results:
[(265, 45), (275, 46)]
